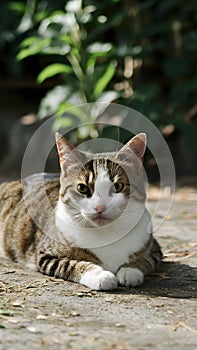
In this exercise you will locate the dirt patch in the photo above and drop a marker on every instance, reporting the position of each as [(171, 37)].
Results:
[(39, 312)]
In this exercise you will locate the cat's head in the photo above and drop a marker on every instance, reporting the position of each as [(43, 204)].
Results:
[(95, 188)]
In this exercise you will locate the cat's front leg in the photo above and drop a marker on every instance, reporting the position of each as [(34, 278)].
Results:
[(99, 279), (130, 276), (84, 272), (141, 263)]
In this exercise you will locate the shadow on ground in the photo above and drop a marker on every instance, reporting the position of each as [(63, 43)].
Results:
[(173, 280)]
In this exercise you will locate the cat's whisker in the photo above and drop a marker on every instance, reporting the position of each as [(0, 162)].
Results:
[(73, 205), (80, 219)]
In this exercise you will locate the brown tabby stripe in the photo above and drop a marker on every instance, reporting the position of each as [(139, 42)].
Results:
[(70, 270), (148, 258), (113, 169), (20, 232)]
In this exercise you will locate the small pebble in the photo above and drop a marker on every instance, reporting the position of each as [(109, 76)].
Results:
[(41, 317), (32, 329), (73, 334), (74, 313)]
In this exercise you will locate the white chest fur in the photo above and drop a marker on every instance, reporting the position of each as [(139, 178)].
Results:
[(117, 253), (112, 244)]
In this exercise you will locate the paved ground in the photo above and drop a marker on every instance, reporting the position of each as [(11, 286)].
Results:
[(39, 312)]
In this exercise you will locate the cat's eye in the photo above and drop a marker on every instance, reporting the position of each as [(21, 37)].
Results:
[(83, 189), (118, 187)]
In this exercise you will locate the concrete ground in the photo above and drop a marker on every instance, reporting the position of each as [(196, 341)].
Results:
[(42, 313)]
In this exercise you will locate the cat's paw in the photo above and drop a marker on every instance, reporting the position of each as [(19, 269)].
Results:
[(130, 277), (99, 279)]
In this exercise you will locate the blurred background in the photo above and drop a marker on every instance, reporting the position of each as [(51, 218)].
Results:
[(138, 53)]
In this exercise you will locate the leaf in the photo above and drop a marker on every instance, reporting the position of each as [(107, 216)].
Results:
[(50, 103), (67, 107), (58, 20), (17, 6), (61, 123), (60, 50), (91, 64), (36, 48), (29, 41), (53, 69), (74, 110), (6, 312), (99, 48), (104, 79), (73, 6), (108, 96)]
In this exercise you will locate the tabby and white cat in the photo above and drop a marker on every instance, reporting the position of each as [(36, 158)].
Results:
[(94, 228)]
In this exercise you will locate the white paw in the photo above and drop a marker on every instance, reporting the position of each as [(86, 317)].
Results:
[(128, 276), (99, 279)]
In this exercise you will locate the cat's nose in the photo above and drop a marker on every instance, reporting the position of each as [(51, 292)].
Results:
[(100, 209)]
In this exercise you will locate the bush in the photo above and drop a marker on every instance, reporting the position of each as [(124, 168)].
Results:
[(138, 53)]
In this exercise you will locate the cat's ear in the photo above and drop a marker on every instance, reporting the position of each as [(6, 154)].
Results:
[(66, 151), (136, 146), (63, 146)]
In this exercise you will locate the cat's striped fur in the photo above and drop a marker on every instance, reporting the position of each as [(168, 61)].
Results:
[(39, 238)]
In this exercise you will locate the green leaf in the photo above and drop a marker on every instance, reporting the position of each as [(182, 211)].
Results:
[(66, 107), (53, 69), (36, 48), (50, 103), (29, 41), (91, 64), (73, 109), (17, 6), (60, 123), (104, 79)]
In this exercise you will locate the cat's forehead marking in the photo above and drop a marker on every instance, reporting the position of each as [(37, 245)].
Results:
[(96, 165), (91, 177)]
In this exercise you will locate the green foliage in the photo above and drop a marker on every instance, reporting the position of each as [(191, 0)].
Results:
[(85, 66), (139, 53), (53, 69), (19, 20)]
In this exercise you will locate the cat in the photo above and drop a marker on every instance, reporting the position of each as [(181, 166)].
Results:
[(94, 228)]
